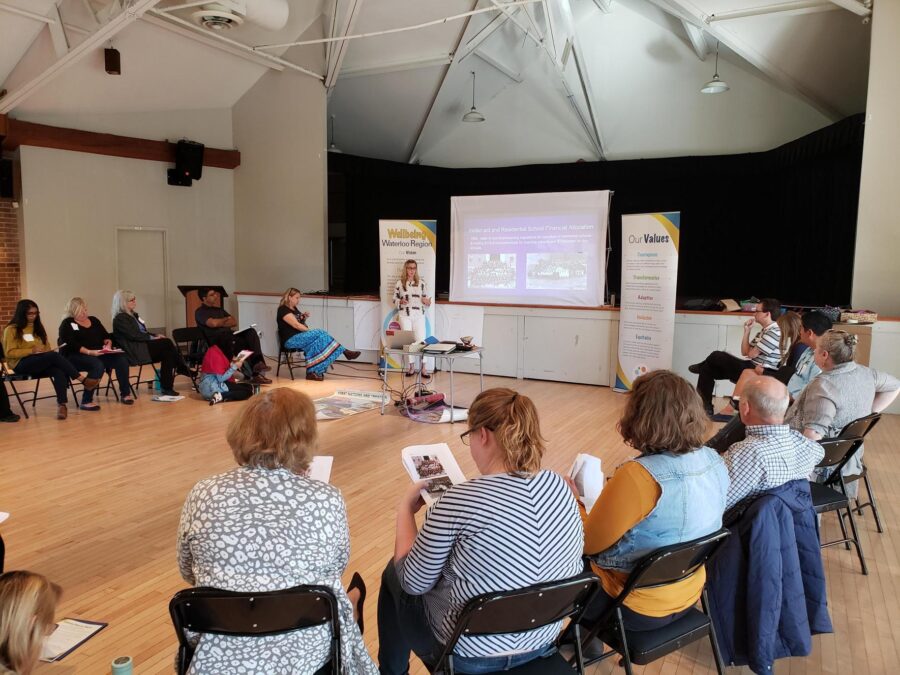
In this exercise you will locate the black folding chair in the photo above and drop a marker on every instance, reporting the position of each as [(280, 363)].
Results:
[(193, 346), (662, 567), (8, 375), (858, 429), (526, 609), (831, 495), (210, 610), (291, 358)]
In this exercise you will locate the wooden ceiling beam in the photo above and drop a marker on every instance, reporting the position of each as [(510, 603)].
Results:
[(75, 140)]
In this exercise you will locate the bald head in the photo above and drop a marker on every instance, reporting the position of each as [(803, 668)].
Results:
[(764, 401)]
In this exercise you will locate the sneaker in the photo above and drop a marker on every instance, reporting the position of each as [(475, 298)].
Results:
[(12, 417), (350, 355), (215, 398), (695, 369)]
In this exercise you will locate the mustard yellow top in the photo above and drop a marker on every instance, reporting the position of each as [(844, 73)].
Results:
[(626, 500), (17, 349)]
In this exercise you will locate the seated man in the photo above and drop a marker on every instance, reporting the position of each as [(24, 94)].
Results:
[(763, 350), (218, 325), (814, 326), (772, 454)]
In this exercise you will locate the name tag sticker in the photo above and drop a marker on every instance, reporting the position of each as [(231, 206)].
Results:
[(74, 326), (140, 319), (28, 337)]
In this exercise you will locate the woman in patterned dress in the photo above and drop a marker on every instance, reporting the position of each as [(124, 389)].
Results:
[(266, 526)]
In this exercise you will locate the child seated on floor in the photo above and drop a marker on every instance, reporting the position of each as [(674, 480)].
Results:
[(217, 377)]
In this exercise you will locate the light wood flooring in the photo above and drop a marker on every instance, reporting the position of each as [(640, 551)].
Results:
[(95, 502)]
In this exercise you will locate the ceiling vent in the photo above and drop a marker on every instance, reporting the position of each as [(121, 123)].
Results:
[(226, 14)]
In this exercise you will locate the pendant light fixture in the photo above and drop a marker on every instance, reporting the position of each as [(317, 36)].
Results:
[(715, 85), (331, 146), (473, 115)]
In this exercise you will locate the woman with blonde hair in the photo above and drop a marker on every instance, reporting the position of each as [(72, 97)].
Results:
[(465, 545), (320, 349), (266, 526), (143, 347), (791, 349), (83, 340), (843, 392), (27, 606), (673, 491), (411, 301)]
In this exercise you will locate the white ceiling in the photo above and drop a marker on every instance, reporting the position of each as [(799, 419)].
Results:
[(790, 73)]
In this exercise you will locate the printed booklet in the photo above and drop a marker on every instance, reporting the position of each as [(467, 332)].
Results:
[(435, 464), (587, 473)]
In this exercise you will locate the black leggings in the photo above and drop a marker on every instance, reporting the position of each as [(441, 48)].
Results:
[(52, 365), (164, 351)]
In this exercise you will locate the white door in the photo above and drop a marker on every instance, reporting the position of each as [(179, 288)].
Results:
[(141, 256)]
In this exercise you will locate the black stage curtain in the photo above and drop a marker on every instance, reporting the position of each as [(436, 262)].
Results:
[(780, 223)]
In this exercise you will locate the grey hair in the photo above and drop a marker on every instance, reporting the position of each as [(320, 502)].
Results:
[(840, 345), (120, 302), (72, 308), (768, 407)]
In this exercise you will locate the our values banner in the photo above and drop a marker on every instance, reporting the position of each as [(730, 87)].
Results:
[(649, 280), (399, 241)]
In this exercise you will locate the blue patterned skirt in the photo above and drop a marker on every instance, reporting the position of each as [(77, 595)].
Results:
[(320, 348)]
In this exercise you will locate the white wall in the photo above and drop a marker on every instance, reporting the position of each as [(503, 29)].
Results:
[(876, 275), (72, 204), (279, 197)]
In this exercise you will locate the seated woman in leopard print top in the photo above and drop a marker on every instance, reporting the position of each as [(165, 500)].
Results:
[(266, 526)]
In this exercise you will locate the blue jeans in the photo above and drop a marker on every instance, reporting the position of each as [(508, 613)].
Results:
[(95, 366), (403, 627)]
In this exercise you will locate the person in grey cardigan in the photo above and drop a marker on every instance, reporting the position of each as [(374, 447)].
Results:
[(143, 347)]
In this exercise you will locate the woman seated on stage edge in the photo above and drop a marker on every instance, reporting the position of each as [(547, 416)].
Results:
[(500, 515), (673, 492), (320, 348)]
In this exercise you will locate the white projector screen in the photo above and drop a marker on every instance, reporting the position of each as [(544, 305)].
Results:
[(533, 249)]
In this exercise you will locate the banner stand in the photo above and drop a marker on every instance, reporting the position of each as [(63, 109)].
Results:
[(649, 282)]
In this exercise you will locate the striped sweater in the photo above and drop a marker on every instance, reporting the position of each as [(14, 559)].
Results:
[(493, 533)]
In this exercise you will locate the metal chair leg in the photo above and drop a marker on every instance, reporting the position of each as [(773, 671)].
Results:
[(871, 503), (856, 542), (18, 398), (626, 659), (713, 638), (844, 536)]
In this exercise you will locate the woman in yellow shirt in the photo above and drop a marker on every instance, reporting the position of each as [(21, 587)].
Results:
[(674, 491), (28, 352)]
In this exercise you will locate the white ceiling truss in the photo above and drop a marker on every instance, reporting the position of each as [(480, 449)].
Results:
[(545, 56)]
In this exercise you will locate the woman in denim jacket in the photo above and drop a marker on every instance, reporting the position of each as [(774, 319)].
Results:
[(673, 492)]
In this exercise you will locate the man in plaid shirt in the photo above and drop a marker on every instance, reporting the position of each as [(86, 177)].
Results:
[(771, 454)]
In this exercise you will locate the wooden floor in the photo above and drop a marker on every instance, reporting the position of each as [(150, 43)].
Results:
[(95, 502)]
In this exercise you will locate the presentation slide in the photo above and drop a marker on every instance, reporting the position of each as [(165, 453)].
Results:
[(545, 248)]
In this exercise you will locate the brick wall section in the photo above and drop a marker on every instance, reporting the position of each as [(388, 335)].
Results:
[(10, 269)]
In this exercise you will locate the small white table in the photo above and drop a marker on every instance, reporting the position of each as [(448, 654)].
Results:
[(449, 358)]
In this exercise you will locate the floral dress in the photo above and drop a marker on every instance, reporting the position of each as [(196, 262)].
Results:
[(255, 529)]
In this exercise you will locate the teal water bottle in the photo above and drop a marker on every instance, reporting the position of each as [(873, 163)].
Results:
[(122, 665)]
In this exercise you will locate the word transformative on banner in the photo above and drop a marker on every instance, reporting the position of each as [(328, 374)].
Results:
[(649, 280), (399, 241)]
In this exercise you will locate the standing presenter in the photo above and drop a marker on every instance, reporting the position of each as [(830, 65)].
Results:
[(411, 302)]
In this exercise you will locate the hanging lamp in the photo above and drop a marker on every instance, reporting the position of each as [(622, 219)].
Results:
[(473, 115), (715, 85), (331, 146)]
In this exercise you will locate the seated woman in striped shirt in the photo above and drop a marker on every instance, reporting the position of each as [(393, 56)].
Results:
[(513, 511)]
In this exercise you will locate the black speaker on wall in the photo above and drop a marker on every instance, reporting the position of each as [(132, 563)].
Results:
[(6, 178), (189, 159)]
